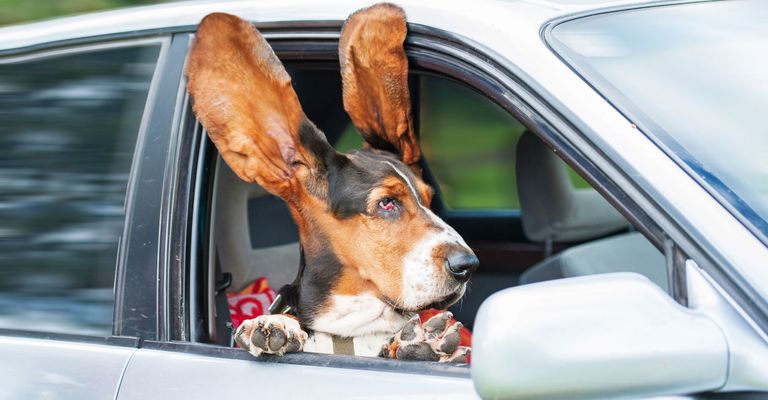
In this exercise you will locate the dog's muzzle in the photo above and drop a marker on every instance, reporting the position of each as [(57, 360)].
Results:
[(461, 264)]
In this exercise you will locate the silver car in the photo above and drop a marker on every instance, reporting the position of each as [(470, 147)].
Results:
[(606, 160)]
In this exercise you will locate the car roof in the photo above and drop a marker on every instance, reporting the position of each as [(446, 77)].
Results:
[(181, 16)]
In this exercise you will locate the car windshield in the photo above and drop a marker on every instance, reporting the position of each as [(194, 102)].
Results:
[(694, 77)]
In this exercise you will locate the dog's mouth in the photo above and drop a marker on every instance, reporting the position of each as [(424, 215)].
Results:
[(447, 301), (440, 304)]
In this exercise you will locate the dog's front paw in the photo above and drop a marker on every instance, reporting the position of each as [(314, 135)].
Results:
[(435, 340), (271, 334)]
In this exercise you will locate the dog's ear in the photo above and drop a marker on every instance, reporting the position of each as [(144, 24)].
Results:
[(243, 97), (374, 71)]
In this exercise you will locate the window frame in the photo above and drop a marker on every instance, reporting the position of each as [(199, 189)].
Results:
[(140, 281), (429, 50), (667, 229), (712, 184), (84, 46)]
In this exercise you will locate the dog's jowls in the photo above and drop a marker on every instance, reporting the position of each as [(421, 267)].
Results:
[(375, 253)]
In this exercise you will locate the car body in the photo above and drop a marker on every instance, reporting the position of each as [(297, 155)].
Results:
[(161, 342)]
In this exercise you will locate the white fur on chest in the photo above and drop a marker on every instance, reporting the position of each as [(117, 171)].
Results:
[(367, 346), (364, 317)]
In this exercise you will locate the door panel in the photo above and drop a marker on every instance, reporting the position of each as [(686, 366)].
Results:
[(157, 374), (50, 369)]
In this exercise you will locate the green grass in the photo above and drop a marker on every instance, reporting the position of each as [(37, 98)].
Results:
[(16, 11)]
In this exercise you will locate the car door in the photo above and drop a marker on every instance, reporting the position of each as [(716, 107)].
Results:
[(187, 357), (192, 354), (186, 348), (71, 119)]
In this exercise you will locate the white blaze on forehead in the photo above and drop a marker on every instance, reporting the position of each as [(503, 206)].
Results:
[(407, 182), (437, 220), (423, 282)]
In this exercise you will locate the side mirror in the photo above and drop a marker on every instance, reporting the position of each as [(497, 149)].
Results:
[(613, 335)]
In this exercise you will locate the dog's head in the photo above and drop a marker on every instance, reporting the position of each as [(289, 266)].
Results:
[(364, 214)]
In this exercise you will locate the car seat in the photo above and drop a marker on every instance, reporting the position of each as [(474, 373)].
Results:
[(553, 211)]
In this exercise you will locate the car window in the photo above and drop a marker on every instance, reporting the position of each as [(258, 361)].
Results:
[(470, 145), (68, 132), (670, 81)]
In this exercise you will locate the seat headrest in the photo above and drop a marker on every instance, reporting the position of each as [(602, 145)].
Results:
[(552, 208)]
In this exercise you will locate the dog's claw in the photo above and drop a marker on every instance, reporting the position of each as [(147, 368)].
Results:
[(271, 334), (435, 340)]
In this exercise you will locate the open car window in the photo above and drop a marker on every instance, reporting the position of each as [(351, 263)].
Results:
[(469, 142)]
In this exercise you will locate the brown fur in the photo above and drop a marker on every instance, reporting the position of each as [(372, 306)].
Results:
[(375, 71), (243, 97), (256, 135)]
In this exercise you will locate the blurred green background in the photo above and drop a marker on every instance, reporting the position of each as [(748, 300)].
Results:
[(15, 11)]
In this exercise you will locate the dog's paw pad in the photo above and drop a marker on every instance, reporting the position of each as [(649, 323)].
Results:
[(436, 325), (412, 330), (448, 341), (461, 355), (421, 351), (437, 339), (271, 334), (276, 340)]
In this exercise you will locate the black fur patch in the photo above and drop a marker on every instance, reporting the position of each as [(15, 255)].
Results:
[(351, 181), (320, 275), (349, 187), (378, 142), (314, 140)]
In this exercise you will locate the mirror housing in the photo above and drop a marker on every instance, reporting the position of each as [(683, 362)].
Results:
[(598, 336)]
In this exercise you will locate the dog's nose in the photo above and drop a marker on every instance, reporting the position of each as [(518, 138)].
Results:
[(461, 264)]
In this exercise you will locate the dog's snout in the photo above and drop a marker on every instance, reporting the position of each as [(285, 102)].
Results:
[(461, 264)]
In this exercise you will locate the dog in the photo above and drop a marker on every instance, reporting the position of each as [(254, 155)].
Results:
[(373, 252)]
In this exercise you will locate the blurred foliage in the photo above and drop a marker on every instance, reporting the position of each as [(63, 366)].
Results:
[(470, 146), (15, 11)]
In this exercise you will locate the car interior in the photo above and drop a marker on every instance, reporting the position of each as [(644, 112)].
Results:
[(527, 215)]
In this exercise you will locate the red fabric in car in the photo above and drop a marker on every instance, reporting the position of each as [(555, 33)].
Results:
[(255, 298)]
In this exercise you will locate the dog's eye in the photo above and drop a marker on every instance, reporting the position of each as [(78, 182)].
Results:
[(387, 204), (388, 207)]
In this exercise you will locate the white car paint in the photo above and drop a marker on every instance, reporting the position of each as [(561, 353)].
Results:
[(511, 32)]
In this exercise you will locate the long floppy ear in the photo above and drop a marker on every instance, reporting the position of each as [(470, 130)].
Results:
[(374, 71), (243, 97)]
